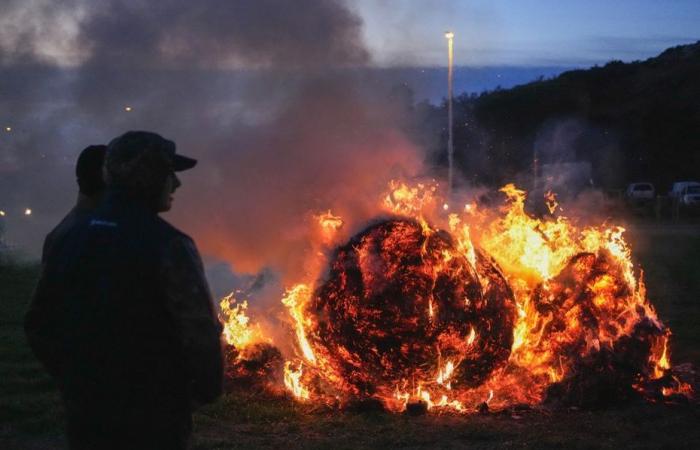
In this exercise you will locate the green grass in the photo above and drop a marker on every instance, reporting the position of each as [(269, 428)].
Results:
[(30, 409), (671, 266), (31, 414)]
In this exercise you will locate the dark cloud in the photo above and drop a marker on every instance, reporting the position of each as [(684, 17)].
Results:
[(272, 33)]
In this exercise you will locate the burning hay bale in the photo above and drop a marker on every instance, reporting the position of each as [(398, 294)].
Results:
[(401, 303), (414, 319), (605, 341), (251, 361), (260, 364)]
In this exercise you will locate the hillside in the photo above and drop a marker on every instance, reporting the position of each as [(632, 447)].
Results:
[(630, 121)]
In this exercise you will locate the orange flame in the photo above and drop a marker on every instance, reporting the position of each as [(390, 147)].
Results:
[(238, 330), (550, 199), (295, 299), (292, 380), (330, 224)]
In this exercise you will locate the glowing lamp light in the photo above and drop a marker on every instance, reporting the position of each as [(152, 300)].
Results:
[(449, 35), (28, 212), (127, 108), (8, 129), (2, 213), (445, 206)]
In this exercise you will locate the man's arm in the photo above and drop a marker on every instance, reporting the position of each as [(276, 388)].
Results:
[(42, 322), (190, 305)]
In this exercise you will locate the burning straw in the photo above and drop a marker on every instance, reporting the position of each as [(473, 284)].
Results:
[(497, 308)]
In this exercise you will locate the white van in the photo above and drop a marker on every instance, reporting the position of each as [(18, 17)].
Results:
[(690, 196), (679, 187)]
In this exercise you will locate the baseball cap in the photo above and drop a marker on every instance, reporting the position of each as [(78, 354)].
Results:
[(134, 144)]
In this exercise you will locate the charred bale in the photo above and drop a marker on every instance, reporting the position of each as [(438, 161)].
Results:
[(399, 300)]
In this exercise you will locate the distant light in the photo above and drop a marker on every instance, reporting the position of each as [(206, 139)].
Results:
[(449, 35), (27, 212), (2, 213), (8, 129), (127, 108), (445, 206)]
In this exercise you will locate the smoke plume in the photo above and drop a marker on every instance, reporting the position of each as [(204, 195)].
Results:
[(265, 93)]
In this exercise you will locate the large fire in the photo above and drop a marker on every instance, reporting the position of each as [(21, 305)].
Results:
[(476, 308)]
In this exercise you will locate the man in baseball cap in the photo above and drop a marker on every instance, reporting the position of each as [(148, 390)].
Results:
[(124, 313), (141, 162)]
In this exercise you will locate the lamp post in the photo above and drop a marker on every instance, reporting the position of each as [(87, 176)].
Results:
[(450, 145)]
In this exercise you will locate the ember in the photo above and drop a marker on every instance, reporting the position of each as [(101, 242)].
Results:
[(401, 305)]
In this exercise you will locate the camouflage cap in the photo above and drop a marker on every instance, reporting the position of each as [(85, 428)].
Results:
[(138, 159)]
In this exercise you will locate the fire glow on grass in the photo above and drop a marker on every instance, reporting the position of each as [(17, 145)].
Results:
[(502, 309)]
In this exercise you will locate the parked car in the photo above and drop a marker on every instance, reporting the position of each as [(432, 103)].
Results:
[(640, 192), (690, 196), (684, 198), (678, 187)]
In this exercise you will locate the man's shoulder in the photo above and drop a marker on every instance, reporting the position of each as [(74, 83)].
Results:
[(169, 232), (74, 217), (73, 220), (179, 252)]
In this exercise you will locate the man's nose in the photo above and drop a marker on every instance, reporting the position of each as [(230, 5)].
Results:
[(176, 182)]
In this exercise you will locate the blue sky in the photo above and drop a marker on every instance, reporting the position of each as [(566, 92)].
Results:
[(525, 32)]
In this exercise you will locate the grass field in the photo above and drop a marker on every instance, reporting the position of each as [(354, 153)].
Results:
[(31, 415)]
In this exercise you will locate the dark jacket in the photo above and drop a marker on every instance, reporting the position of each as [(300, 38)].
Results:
[(74, 216), (123, 318)]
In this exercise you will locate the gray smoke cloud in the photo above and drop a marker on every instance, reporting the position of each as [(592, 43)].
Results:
[(268, 94)]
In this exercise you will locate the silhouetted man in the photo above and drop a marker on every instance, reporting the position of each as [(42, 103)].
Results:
[(91, 187), (122, 315)]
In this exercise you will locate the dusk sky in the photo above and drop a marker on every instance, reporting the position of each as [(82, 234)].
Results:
[(526, 32), (410, 32)]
